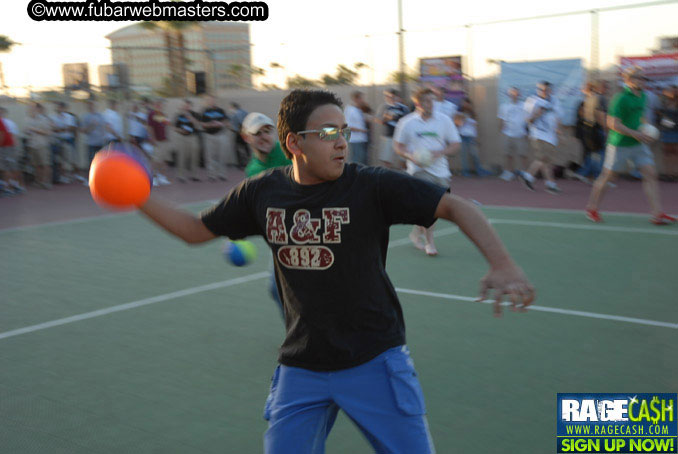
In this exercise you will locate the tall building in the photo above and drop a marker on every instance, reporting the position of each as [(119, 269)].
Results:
[(667, 45), (219, 49)]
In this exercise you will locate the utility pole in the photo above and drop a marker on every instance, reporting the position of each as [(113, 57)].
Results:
[(215, 76), (594, 65), (401, 51)]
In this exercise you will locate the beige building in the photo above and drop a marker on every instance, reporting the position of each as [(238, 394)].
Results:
[(219, 49)]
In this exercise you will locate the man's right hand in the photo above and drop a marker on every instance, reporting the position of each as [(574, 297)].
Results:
[(644, 138)]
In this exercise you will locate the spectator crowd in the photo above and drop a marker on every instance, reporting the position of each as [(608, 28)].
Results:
[(55, 146)]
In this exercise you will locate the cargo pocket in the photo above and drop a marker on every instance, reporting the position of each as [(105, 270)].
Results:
[(271, 394), (405, 385)]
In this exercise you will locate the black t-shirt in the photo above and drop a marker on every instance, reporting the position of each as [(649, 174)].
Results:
[(211, 114), (398, 111), (329, 244), (183, 122)]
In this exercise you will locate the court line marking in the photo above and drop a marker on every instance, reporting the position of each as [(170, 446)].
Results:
[(565, 210), (556, 310), (395, 243), (135, 304), (91, 218), (172, 295), (266, 274), (658, 230), (201, 202)]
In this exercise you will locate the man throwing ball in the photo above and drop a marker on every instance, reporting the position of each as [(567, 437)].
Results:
[(327, 223)]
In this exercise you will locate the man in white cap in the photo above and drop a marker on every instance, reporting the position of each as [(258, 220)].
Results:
[(259, 132)]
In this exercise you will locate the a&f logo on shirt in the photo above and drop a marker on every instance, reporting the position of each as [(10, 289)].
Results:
[(307, 253)]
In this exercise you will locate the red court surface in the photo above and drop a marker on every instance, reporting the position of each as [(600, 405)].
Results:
[(70, 202)]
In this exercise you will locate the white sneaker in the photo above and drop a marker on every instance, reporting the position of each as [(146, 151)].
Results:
[(155, 182), (507, 176), (80, 179), (18, 189), (552, 188), (162, 179)]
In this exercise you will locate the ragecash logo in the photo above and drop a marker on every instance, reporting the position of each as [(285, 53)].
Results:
[(624, 423)]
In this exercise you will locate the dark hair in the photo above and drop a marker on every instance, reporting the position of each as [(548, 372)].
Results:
[(470, 111), (393, 92), (295, 109), (420, 93)]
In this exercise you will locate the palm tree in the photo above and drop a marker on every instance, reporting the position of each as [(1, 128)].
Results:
[(173, 34), (279, 67), (6, 44)]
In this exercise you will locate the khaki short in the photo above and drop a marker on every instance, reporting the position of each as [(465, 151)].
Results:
[(424, 175), (617, 158), (543, 151), (515, 146), (387, 153), (41, 156), (162, 151)]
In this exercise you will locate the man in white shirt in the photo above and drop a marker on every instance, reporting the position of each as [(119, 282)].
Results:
[(513, 129), (542, 113), (355, 118), (388, 115), (67, 161), (442, 105), (421, 133), (137, 125), (113, 123)]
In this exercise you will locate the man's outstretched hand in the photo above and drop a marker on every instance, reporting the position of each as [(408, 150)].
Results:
[(511, 281)]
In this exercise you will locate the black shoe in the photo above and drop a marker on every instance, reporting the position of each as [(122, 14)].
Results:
[(527, 183)]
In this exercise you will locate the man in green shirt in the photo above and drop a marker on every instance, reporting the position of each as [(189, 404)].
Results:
[(259, 132), (626, 142)]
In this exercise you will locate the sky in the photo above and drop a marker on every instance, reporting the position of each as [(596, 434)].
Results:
[(310, 37)]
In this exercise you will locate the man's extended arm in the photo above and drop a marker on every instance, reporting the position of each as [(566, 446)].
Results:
[(505, 276), (182, 224)]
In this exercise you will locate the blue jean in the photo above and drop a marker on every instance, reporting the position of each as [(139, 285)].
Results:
[(273, 289), (593, 164), (57, 151), (469, 148), (358, 152), (91, 151), (382, 397)]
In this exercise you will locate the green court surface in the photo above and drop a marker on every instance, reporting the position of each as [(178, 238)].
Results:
[(160, 361)]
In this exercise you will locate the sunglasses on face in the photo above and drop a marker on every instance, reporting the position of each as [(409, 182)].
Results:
[(329, 134)]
